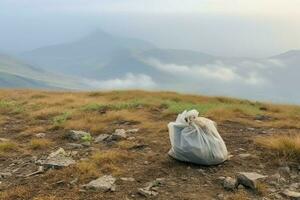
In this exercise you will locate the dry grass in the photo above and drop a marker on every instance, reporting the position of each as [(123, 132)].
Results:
[(261, 189), (40, 144), (111, 161), (110, 157), (286, 146), (7, 147), (239, 195), (48, 197), (53, 106), (87, 169), (126, 144), (18, 192)]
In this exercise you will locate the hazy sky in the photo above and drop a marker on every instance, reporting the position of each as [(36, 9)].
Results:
[(219, 27)]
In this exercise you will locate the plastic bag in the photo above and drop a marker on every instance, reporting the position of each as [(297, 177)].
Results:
[(196, 139)]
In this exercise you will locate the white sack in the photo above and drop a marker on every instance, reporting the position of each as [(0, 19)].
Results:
[(196, 139)]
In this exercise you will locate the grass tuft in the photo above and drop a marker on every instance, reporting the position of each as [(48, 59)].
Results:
[(286, 146), (7, 147), (40, 144), (60, 119)]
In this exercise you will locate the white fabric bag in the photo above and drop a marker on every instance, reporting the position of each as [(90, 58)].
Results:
[(196, 139)]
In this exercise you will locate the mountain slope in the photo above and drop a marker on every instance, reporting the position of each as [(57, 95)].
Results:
[(17, 74)]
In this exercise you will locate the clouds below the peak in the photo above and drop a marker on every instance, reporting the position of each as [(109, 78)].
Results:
[(217, 71), (129, 81)]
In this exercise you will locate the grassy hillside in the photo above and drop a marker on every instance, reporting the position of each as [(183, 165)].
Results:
[(261, 129)]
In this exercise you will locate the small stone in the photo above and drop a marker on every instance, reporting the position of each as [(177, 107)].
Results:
[(134, 130), (74, 145), (262, 117), (127, 179), (57, 159), (291, 194), (104, 183), (241, 187), (5, 175), (131, 138), (202, 171), (147, 193), (119, 134), (146, 162), (250, 129), (86, 144), (249, 179), (73, 182), (78, 135), (229, 183), (220, 196), (244, 155), (40, 135), (101, 138)]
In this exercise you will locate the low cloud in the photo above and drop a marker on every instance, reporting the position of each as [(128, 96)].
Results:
[(129, 81), (217, 71)]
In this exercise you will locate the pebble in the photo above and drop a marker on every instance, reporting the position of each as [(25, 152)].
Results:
[(291, 194), (40, 135), (104, 183), (229, 183)]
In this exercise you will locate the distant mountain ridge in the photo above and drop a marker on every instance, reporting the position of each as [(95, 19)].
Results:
[(86, 56), (104, 61)]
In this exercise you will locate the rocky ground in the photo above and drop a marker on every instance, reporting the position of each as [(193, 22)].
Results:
[(129, 160)]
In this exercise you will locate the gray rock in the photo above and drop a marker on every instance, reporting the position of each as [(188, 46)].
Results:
[(134, 130), (58, 159), (220, 196), (146, 193), (249, 179), (74, 145), (131, 138), (291, 194), (151, 188), (101, 138), (4, 175), (119, 134), (127, 179), (78, 135), (229, 183), (104, 183), (86, 144), (40, 135), (244, 155)]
